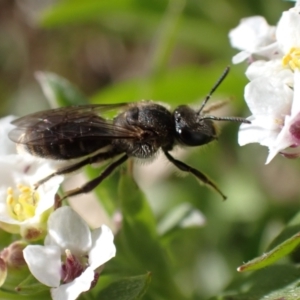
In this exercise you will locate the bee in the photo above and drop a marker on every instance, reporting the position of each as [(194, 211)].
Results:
[(139, 130)]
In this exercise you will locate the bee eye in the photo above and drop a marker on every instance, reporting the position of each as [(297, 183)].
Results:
[(191, 130), (193, 138)]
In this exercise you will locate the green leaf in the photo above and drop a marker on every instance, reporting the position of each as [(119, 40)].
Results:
[(272, 256), (106, 191), (139, 223), (139, 241), (283, 245), (274, 283), (31, 286), (59, 91), (131, 288), (292, 228)]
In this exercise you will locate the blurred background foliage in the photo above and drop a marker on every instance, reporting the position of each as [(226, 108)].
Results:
[(169, 51)]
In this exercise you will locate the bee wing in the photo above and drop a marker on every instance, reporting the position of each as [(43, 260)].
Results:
[(67, 113), (66, 124)]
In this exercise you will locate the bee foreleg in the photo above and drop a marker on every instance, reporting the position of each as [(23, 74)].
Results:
[(186, 168), (89, 186)]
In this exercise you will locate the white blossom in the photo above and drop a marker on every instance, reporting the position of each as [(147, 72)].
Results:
[(70, 259), (289, 135), (269, 100), (273, 92), (255, 37), (22, 207)]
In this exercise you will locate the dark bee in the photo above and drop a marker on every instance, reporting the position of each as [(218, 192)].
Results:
[(138, 131)]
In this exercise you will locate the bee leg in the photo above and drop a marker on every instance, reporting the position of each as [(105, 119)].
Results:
[(89, 186), (74, 167), (186, 168)]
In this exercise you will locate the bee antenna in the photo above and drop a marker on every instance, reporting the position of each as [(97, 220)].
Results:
[(220, 80), (231, 119)]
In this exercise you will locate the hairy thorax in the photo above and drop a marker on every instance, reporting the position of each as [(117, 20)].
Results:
[(154, 129)]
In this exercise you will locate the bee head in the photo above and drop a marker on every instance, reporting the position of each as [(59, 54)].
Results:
[(192, 129)]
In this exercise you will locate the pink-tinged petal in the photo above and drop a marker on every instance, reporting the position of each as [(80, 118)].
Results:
[(290, 133), (72, 290), (44, 263), (69, 231), (103, 248), (283, 141), (290, 155)]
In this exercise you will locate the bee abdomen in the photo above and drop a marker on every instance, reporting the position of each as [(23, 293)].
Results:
[(65, 151)]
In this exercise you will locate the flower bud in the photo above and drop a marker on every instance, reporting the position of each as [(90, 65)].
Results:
[(13, 255)]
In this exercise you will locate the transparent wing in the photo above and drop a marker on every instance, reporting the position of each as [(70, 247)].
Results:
[(66, 124)]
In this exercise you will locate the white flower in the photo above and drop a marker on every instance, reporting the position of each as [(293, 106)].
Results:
[(275, 107), (254, 36), (22, 208), (289, 135), (274, 92), (72, 254), (287, 33)]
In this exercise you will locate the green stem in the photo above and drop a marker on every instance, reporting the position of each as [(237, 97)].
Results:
[(166, 36)]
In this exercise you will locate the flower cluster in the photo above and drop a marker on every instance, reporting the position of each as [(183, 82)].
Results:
[(273, 93), (72, 257)]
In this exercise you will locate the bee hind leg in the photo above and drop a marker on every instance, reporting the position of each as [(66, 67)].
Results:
[(99, 157), (199, 175)]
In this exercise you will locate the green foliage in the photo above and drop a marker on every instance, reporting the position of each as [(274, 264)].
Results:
[(132, 288), (276, 282), (59, 91)]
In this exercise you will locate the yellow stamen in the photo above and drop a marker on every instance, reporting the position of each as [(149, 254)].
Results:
[(22, 203), (292, 59)]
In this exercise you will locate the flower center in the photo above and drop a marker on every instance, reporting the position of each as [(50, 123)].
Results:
[(295, 132), (22, 203), (292, 59), (72, 268)]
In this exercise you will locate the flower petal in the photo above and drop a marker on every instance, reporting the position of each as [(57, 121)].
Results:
[(269, 96), (72, 290), (270, 68), (68, 230), (261, 130), (252, 33), (103, 248), (44, 263), (254, 36), (288, 29), (289, 134)]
